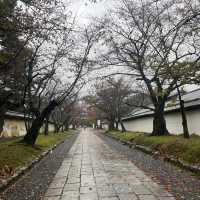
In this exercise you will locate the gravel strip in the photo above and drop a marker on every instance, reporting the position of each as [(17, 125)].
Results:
[(182, 184), (34, 183)]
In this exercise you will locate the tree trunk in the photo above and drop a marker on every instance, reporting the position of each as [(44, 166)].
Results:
[(46, 128), (57, 128), (66, 126), (73, 126), (184, 120), (101, 126), (111, 125), (122, 126), (3, 110), (159, 123), (183, 114), (117, 125), (33, 132), (1, 123)]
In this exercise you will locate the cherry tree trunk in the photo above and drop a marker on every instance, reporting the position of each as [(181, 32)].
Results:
[(73, 126), (111, 125), (122, 126), (2, 116), (46, 128), (159, 123), (183, 114), (117, 125), (184, 120), (57, 128), (33, 132), (66, 126), (3, 110)]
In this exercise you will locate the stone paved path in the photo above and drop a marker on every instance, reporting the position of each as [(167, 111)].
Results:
[(93, 171)]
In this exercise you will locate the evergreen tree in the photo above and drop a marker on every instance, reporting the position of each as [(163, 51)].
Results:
[(13, 57)]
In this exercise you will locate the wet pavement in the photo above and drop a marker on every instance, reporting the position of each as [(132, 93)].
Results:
[(92, 170)]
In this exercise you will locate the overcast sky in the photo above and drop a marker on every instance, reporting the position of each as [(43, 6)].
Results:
[(84, 10)]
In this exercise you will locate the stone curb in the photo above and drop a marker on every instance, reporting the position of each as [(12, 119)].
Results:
[(171, 159), (22, 170)]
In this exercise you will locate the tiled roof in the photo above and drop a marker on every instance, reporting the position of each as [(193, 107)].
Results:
[(191, 99)]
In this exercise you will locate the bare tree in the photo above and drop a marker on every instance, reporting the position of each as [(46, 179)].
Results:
[(123, 92), (111, 96), (75, 64), (148, 39), (63, 114), (25, 29)]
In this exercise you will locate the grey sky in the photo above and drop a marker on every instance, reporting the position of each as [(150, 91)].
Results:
[(85, 10)]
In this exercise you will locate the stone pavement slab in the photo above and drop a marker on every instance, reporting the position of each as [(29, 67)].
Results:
[(93, 171)]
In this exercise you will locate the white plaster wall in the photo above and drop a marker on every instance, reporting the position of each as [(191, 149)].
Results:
[(105, 126), (174, 123), (16, 128), (51, 128), (173, 120), (193, 118), (144, 124), (13, 127)]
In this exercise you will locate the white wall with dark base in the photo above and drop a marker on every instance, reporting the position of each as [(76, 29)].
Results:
[(173, 120)]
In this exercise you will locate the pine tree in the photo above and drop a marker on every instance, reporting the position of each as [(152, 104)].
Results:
[(13, 56)]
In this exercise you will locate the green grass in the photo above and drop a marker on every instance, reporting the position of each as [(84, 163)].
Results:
[(185, 149), (125, 136), (15, 154), (155, 141)]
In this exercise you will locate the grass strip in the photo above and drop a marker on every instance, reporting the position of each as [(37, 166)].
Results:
[(187, 150), (14, 154)]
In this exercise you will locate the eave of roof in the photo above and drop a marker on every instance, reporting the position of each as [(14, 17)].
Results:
[(17, 115), (192, 101), (12, 114)]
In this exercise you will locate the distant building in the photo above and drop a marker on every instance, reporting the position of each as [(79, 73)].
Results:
[(14, 125), (142, 119)]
